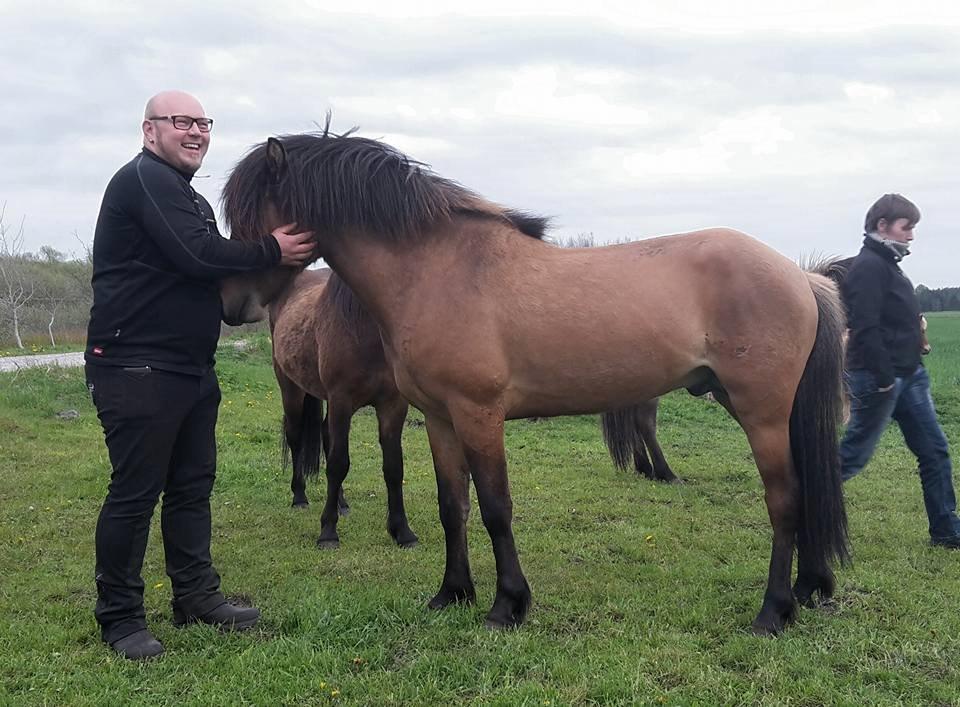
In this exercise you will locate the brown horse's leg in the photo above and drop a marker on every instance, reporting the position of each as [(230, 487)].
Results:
[(771, 450), (339, 414), (483, 448), (391, 416), (292, 398), (641, 462), (325, 437), (453, 496), (647, 423)]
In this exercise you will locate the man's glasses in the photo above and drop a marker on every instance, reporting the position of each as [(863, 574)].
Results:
[(183, 122)]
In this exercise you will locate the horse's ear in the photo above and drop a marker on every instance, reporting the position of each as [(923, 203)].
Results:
[(276, 160)]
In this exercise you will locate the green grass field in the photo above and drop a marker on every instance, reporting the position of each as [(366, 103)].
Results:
[(643, 593)]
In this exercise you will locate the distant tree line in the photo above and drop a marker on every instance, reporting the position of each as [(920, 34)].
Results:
[(944, 299), (45, 297)]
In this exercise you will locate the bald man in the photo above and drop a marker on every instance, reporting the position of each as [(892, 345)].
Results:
[(153, 331)]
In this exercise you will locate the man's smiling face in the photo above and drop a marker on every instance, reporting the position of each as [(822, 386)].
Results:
[(184, 149)]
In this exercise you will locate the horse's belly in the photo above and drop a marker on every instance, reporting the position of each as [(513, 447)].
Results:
[(593, 388)]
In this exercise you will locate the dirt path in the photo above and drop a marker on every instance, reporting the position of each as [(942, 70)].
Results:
[(64, 360)]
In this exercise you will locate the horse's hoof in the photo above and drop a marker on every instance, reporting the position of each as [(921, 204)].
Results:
[(406, 540), (344, 510), (327, 544), (446, 597), (495, 623), (815, 590), (770, 624), (763, 631), (300, 504)]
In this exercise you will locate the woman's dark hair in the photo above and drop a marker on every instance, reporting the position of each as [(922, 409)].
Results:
[(890, 207)]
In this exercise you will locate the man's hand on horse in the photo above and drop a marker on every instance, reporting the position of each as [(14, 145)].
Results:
[(296, 248)]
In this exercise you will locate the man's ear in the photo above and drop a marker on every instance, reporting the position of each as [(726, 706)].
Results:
[(148, 130), (276, 160)]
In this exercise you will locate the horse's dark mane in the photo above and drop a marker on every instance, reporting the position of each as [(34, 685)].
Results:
[(527, 223), (332, 183), (833, 267)]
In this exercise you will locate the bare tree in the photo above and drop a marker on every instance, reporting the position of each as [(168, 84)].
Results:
[(15, 293)]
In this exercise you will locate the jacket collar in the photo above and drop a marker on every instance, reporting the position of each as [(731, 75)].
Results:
[(157, 158), (891, 250)]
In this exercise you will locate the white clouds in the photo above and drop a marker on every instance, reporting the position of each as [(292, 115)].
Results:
[(220, 63), (553, 94), (619, 118), (867, 92)]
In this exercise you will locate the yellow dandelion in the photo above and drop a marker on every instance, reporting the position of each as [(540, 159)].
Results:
[(334, 693), (158, 585)]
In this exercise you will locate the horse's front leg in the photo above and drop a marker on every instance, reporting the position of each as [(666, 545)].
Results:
[(482, 437), (390, 417), (293, 399), (339, 414), (453, 496)]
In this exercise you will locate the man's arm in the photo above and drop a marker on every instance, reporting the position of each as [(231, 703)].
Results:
[(175, 220)]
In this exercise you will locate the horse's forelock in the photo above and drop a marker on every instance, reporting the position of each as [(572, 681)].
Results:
[(244, 194)]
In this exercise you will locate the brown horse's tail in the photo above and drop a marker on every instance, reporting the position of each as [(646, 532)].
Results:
[(814, 439), (621, 433), (309, 445)]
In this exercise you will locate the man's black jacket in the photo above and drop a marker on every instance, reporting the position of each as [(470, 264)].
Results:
[(157, 260), (883, 315)]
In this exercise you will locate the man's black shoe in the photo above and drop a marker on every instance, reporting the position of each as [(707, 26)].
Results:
[(138, 646), (953, 542), (225, 617)]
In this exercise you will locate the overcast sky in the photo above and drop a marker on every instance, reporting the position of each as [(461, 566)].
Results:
[(620, 119)]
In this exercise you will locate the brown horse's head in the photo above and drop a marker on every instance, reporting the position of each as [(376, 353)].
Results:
[(245, 297), (249, 203), (339, 186)]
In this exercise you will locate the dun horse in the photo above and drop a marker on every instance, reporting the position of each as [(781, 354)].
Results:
[(325, 348), (482, 321)]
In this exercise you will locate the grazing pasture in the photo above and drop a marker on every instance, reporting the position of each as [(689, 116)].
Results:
[(644, 592)]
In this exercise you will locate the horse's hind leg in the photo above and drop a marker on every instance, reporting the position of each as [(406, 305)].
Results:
[(453, 497), (390, 417), (770, 443), (647, 423), (339, 414), (641, 462)]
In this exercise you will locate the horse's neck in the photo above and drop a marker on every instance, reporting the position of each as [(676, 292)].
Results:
[(389, 279), (379, 274)]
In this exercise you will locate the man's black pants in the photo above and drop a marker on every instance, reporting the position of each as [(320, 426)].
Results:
[(160, 433)]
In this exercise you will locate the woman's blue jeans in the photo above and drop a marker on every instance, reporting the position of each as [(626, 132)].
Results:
[(910, 404)]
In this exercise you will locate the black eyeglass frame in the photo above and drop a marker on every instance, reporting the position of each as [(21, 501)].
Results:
[(199, 121)]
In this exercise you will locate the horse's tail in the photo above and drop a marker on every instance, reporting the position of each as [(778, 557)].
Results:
[(814, 433), (621, 433), (310, 439)]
